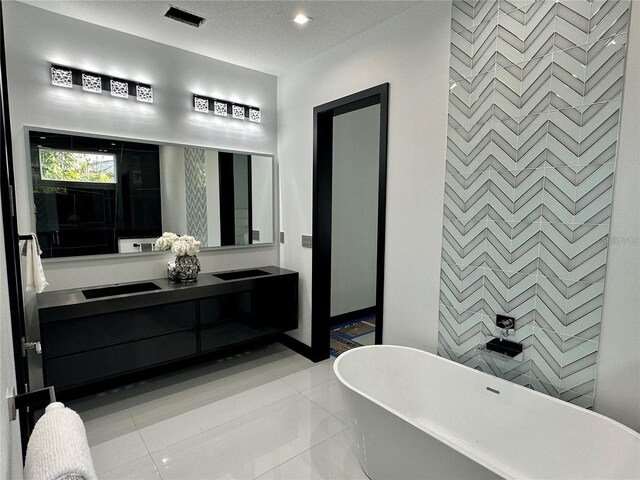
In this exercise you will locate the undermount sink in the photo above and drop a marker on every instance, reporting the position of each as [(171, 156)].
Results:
[(119, 290), (241, 274)]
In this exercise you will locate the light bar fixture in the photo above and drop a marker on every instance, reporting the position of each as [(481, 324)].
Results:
[(97, 83), (225, 108)]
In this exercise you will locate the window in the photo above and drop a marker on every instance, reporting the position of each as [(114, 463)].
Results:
[(74, 166)]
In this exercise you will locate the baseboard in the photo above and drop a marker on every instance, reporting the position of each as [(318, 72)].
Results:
[(351, 316)]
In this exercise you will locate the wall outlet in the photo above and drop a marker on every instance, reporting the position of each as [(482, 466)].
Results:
[(281, 237), (307, 241), (256, 235)]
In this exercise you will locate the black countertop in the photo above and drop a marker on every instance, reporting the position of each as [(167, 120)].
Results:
[(66, 304)]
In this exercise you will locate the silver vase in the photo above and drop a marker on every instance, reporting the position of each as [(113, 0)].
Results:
[(184, 269)]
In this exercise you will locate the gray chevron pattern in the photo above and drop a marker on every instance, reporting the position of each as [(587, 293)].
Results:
[(534, 106), (196, 191)]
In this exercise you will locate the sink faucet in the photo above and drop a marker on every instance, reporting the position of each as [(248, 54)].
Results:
[(506, 326)]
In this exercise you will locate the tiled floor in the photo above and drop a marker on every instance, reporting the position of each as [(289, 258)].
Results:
[(267, 414)]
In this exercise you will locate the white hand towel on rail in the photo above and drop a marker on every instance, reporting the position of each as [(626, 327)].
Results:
[(58, 447), (35, 273)]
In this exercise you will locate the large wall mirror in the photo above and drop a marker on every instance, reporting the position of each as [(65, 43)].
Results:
[(96, 196)]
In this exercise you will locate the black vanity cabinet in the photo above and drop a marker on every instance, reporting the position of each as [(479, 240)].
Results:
[(88, 341)]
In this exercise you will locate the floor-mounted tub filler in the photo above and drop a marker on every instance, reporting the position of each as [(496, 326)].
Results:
[(416, 415)]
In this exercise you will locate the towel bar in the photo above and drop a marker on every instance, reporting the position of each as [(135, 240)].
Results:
[(38, 398)]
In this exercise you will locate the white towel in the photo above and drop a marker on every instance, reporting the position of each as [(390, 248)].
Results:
[(58, 447), (35, 273)]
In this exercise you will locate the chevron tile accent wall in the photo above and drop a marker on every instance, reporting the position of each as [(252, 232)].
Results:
[(534, 106), (196, 192)]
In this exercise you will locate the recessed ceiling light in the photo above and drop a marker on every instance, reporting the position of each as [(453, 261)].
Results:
[(301, 19)]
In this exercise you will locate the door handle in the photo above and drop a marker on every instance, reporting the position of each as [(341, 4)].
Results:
[(31, 346)]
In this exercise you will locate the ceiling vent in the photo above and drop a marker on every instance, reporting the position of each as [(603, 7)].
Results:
[(184, 17)]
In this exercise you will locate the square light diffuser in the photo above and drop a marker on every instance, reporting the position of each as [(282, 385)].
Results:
[(61, 77), (201, 104), (220, 108), (144, 94), (238, 112), (91, 83), (254, 114), (119, 88)]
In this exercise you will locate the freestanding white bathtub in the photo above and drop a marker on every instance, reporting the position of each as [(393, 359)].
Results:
[(418, 416)]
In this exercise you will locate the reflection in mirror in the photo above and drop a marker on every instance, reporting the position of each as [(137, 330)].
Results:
[(98, 196)]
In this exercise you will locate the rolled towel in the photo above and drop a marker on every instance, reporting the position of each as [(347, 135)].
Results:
[(35, 273), (58, 447)]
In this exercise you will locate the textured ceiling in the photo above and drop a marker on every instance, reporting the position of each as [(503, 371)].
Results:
[(255, 34)]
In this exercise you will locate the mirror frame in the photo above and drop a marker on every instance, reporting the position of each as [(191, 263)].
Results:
[(103, 256)]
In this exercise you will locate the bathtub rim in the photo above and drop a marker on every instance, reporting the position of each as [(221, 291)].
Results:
[(451, 441)]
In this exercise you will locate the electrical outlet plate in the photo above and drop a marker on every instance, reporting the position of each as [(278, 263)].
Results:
[(307, 241)]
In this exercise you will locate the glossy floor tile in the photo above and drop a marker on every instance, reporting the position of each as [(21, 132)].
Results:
[(332, 459), (251, 445), (266, 414)]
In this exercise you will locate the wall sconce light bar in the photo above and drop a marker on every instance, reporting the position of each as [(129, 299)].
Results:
[(225, 108), (97, 83)]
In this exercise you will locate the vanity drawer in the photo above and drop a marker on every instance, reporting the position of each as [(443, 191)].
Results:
[(82, 368), (229, 333), (88, 333)]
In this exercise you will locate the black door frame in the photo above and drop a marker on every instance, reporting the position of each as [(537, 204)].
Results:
[(11, 246), (322, 191), (226, 169)]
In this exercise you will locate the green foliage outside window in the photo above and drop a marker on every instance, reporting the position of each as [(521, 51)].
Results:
[(71, 166)]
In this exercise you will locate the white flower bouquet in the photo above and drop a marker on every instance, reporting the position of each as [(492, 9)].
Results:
[(180, 246)]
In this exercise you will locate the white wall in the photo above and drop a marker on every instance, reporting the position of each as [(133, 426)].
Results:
[(411, 52), (10, 448), (618, 376), (37, 38), (354, 210)]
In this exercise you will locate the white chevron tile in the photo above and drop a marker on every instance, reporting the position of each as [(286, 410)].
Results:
[(555, 252), (461, 57), (517, 8), (560, 193), (587, 322), (484, 47), (461, 15), (608, 17), (594, 193), (572, 24), (599, 141), (547, 366), (580, 373), (593, 118), (581, 305), (484, 10)]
